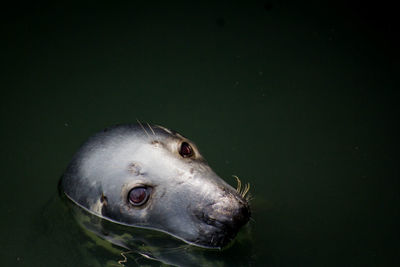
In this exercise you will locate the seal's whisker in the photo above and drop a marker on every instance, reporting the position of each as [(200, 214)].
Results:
[(243, 191), (141, 125), (249, 198), (239, 184), (154, 133), (246, 189), (151, 129)]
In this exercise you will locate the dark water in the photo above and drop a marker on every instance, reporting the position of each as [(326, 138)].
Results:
[(299, 99)]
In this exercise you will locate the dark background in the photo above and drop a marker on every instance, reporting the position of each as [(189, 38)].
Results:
[(299, 98)]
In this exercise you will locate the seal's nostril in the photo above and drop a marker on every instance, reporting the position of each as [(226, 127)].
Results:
[(242, 216), (230, 219)]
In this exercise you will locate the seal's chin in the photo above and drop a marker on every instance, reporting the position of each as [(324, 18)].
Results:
[(218, 227)]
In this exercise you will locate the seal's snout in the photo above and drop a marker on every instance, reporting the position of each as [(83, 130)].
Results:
[(236, 215), (228, 219), (223, 219)]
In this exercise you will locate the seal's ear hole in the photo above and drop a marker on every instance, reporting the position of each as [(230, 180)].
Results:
[(186, 150), (139, 195)]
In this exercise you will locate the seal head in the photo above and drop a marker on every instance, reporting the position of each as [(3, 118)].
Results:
[(154, 178)]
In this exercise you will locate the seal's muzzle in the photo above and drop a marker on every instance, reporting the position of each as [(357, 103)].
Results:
[(223, 220)]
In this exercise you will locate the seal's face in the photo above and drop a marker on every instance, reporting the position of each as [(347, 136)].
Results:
[(155, 179)]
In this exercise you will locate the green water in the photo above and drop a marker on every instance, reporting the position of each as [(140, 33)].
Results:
[(299, 99)]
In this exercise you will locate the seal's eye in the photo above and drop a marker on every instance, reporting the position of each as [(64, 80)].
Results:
[(186, 150), (138, 196)]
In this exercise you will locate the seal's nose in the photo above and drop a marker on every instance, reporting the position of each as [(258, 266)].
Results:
[(229, 213), (220, 218), (241, 216)]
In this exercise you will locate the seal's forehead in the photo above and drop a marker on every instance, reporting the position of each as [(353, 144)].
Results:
[(142, 131)]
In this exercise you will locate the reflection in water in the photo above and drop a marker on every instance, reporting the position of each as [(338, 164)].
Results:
[(130, 246)]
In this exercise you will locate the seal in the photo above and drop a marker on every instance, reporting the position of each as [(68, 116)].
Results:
[(153, 177)]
